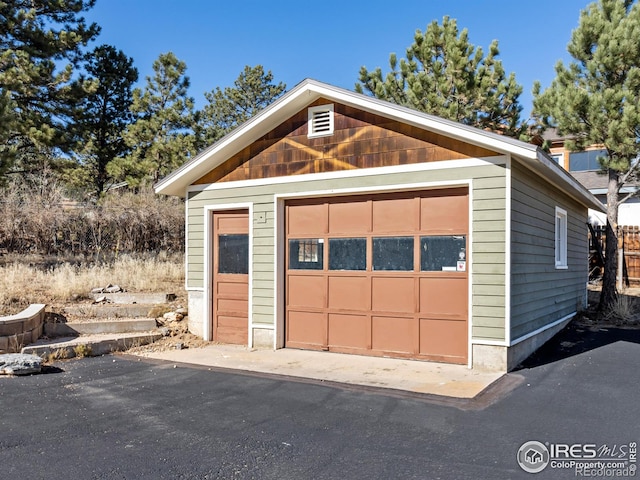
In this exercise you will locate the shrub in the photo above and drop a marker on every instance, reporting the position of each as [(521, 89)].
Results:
[(623, 311), (40, 221)]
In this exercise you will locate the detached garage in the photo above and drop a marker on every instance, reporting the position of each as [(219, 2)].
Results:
[(334, 221)]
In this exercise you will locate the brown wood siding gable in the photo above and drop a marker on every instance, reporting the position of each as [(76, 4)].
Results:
[(360, 140)]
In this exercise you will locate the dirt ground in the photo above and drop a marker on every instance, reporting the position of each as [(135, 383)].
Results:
[(177, 335), (177, 338), (625, 315)]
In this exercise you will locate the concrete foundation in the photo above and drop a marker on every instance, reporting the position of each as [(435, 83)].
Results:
[(196, 306), (490, 358), (497, 358), (263, 337)]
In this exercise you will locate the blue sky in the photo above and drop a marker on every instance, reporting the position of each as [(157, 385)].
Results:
[(330, 40)]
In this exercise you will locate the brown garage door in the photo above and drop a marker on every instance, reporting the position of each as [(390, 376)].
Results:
[(379, 274), (231, 276)]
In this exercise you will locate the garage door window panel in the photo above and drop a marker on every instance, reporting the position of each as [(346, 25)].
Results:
[(347, 254), (393, 253), (306, 254), (443, 253)]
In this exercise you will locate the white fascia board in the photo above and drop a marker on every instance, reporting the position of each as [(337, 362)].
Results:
[(603, 191)]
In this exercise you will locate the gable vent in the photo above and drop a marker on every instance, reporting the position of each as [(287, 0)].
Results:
[(320, 121)]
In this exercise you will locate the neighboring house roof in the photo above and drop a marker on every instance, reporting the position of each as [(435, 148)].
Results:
[(309, 90), (596, 182), (552, 135), (591, 180)]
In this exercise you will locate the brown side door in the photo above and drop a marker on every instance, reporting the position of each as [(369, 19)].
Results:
[(231, 276)]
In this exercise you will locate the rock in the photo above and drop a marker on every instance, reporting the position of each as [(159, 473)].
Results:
[(165, 331), (102, 299), (108, 289), (173, 316), (20, 364), (182, 311)]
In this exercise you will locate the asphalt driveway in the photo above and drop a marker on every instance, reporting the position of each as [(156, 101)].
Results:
[(121, 417)]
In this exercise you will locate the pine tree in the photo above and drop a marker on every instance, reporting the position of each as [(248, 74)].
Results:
[(162, 138), (6, 124), (447, 76), (253, 90), (596, 100), (41, 42), (104, 114)]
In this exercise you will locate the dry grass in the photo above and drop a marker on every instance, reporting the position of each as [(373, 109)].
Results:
[(23, 283), (624, 310), (82, 350)]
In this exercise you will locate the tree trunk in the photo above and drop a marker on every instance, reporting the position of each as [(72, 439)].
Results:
[(609, 293)]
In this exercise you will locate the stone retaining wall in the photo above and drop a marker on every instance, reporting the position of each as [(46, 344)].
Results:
[(21, 329)]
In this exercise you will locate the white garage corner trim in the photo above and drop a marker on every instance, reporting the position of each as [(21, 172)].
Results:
[(278, 272), (507, 257), (470, 278)]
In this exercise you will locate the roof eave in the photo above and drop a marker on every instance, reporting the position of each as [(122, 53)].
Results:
[(543, 164), (307, 91)]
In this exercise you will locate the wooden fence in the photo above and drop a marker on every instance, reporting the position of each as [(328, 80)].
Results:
[(630, 246)]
